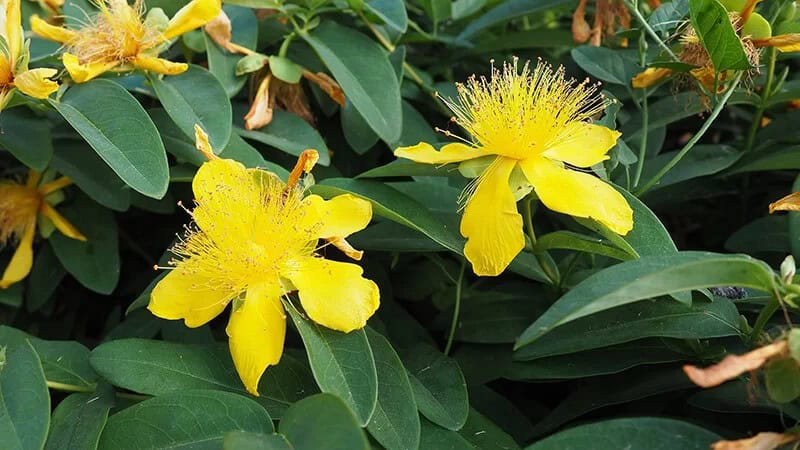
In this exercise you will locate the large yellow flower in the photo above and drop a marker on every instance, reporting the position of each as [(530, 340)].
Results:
[(119, 38), (531, 125), (20, 206), (256, 240), (14, 73)]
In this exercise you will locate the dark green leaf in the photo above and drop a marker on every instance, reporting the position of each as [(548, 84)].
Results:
[(245, 440), (322, 421), (703, 160), (485, 434), (509, 10), (574, 241), (613, 66), (289, 133), (435, 437), (45, 276), (783, 380), (221, 63), (78, 421), (81, 164), (710, 21), (439, 386), (27, 137), (392, 12), (24, 399)]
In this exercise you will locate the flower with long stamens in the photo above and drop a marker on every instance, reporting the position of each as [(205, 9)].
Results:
[(255, 240), (532, 125), (119, 38), (20, 207), (14, 72)]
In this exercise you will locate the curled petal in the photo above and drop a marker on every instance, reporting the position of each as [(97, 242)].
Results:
[(580, 27), (761, 441), (734, 365), (60, 222), (159, 65), (20, 265), (256, 332), (491, 222), (782, 42), (578, 194), (260, 114), (334, 294), (650, 77), (82, 73), (182, 294), (36, 82), (193, 15), (52, 32), (328, 86), (789, 203), (582, 144), (450, 153), (339, 217)]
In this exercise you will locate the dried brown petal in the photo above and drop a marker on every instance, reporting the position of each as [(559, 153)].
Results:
[(327, 84), (789, 203), (580, 27), (260, 113), (761, 441), (733, 365), (219, 30)]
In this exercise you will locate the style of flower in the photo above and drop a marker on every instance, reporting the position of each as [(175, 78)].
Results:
[(14, 72), (255, 240), (531, 125), (119, 38), (20, 207)]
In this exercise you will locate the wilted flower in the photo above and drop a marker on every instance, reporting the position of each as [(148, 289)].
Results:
[(255, 241), (534, 126), (119, 38), (608, 16)]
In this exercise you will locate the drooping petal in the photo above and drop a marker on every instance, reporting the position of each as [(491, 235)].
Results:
[(193, 15), (650, 77), (491, 222), (334, 294), (256, 331), (20, 265), (578, 194), (340, 216), (82, 73), (52, 32), (12, 29), (450, 153), (36, 82), (159, 65), (183, 295), (582, 144), (782, 42), (60, 222)]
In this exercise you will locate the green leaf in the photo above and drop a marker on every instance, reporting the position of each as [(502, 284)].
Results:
[(81, 164), (437, 10), (493, 318), (245, 440), (509, 10), (94, 263), (653, 318), (78, 421), (774, 158), (194, 419), (669, 16), (702, 161), (435, 437), (649, 277), (289, 133), (342, 364), (416, 129), (439, 387), (395, 422), (322, 421), (783, 380), (765, 234), (613, 66), (485, 434), (575, 241), (45, 276), (118, 129), (406, 168), (356, 130), (638, 433), (221, 63), (196, 97), (285, 69), (26, 136), (24, 399), (365, 74), (710, 21), (392, 12)]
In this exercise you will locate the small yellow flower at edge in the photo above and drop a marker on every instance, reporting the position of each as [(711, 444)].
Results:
[(14, 73), (255, 240), (20, 206), (118, 38), (534, 123)]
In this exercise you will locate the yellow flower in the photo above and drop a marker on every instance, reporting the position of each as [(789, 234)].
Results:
[(119, 38), (14, 73), (255, 241), (531, 125), (20, 206)]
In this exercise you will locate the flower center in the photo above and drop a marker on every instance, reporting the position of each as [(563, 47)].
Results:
[(19, 206)]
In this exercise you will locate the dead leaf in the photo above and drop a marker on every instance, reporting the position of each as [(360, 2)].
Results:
[(733, 365)]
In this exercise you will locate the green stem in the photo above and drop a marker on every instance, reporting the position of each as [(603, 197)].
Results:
[(765, 95), (637, 176), (285, 45), (456, 309), (69, 387), (545, 261), (763, 318), (650, 30), (706, 125), (528, 215)]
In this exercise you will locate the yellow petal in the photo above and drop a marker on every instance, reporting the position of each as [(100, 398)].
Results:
[(36, 82), (582, 144), (491, 222), (82, 73), (256, 332), (340, 216), (52, 32), (60, 222), (789, 203), (193, 15), (159, 65), (650, 77), (20, 265), (12, 29), (334, 294), (782, 42), (578, 194), (425, 153), (183, 295)]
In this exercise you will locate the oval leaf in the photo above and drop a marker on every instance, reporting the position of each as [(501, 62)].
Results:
[(322, 421), (78, 421), (24, 399), (710, 21), (439, 387)]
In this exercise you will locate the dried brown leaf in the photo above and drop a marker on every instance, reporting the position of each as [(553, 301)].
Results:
[(761, 441), (734, 365), (789, 203)]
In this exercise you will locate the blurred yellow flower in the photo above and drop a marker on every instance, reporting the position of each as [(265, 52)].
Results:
[(20, 206), (119, 38), (14, 73), (532, 126), (256, 240)]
